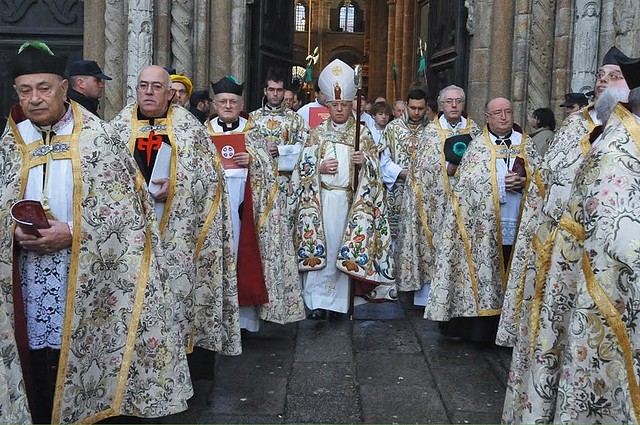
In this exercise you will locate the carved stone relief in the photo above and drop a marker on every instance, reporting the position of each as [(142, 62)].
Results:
[(470, 5), (140, 47), (585, 45)]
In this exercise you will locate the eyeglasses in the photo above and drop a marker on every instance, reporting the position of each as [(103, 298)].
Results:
[(613, 76), (144, 86), (501, 112), (451, 101)]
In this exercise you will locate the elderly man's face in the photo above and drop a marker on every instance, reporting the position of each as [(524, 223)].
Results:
[(181, 98), (42, 97), (499, 116), (288, 98), (153, 91), (340, 110), (452, 105), (228, 107), (609, 76), (399, 110)]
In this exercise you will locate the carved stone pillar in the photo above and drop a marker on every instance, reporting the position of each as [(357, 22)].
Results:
[(501, 49), (220, 55), (181, 36), (585, 45), (140, 47), (238, 45), (543, 18), (201, 45), (115, 36), (408, 47), (162, 33), (392, 96), (626, 18)]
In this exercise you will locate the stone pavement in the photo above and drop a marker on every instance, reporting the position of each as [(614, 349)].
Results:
[(388, 365)]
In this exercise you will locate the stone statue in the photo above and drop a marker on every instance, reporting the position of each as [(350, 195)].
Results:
[(585, 49)]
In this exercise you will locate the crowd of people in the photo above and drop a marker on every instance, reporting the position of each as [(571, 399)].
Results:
[(185, 221)]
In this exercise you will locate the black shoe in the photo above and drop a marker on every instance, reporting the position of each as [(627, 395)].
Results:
[(317, 314)]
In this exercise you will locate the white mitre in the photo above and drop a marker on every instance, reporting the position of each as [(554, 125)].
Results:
[(336, 81)]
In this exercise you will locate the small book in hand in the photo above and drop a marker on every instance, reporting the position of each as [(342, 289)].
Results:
[(30, 216), (519, 167)]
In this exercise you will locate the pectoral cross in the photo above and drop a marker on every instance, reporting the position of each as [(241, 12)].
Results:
[(148, 145)]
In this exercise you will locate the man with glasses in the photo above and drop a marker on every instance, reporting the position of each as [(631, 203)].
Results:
[(269, 287), (89, 316), (284, 132), (185, 179), (432, 176), (343, 228), (471, 261), (521, 325), (182, 88)]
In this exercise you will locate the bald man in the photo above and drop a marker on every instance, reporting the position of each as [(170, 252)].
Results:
[(468, 283)]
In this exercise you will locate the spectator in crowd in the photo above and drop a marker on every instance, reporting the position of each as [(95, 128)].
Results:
[(87, 84), (543, 123)]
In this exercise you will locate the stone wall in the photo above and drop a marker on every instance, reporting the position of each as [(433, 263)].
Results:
[(203, 40)]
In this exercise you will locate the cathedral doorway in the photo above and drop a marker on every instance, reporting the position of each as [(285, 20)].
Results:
[(58, 23)]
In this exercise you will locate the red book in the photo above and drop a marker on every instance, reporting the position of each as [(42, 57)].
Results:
[(318, 115), (30, 216), (228, 145)]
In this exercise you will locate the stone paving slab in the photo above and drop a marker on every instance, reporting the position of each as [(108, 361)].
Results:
[(323, 409), (399, 370), (402, 404), (387, 336), (324, 343), (262, 395), (318, 378), (472, 388)]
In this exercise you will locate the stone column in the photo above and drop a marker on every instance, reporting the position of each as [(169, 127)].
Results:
[(220, 55), (541, 58), (585, 45), (201, 45), (392, 96), (397, 46), (140, 46), (408, 47), (114, 64), (181, 36), (480, 60), (238, 45), (162, 33), (560, 74), (626, 18), (501, 49), (522, 51)]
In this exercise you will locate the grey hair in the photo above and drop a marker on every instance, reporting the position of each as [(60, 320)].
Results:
[(608, 100), (634, 100), (451, 87), (399, 102)]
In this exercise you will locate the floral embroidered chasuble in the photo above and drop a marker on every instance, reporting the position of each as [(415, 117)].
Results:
[(195, 229), (120, 351), (469, 275), (581, 362), (364, 252)]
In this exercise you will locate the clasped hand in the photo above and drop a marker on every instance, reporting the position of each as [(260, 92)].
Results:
[(55, 238)]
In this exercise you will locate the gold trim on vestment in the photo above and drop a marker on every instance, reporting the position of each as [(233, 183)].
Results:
[(538, 181), (74, 263), (629, 122), (585, 142), (270, 200), (543, 253), (467, 247), (421, 212), (613, 319), (571, 226)]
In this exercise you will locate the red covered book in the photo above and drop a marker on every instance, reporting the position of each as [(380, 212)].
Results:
[(30, 216), (318, 115), (228, 145)]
